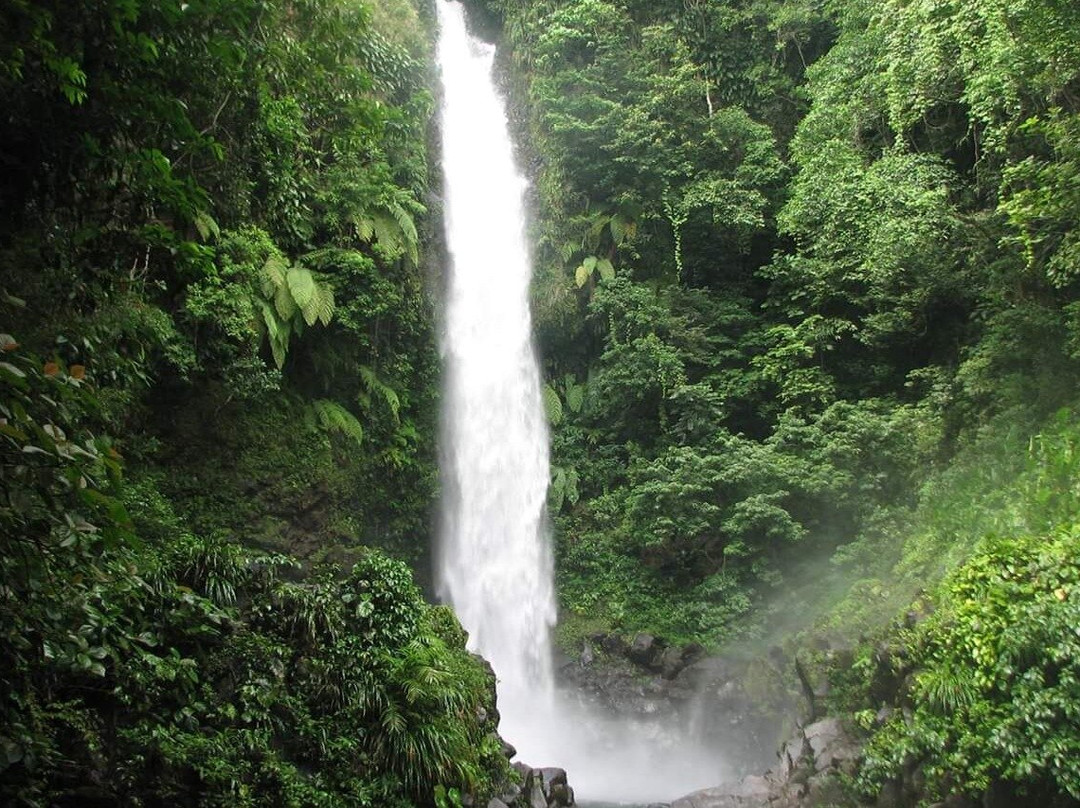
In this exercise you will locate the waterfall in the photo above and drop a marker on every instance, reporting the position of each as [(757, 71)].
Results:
[(495, 564)]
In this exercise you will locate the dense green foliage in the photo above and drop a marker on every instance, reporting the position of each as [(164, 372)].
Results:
[(222, 201), (997, 690), (793, 256), (215, 335), (979, 677), (807, 287), (146, 664)]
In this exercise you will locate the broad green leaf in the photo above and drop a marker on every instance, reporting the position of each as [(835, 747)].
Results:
[(270, 319), (278, 348), (581, 276), (10, 368), (274, 270)]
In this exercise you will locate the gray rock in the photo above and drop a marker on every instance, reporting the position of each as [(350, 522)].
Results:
[(560, 796), (587, 655), (750, 792), (611, 643), (831, 746), (706, 673), (535, 790), (795, 750), (550, 776), (673, 660), (646, 650), (959, 801), (495, 802)]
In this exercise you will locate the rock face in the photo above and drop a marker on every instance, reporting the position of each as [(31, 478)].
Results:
[(540, 788), (742, 708), (806, 775)]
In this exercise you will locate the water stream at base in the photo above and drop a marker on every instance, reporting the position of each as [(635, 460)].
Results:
[(495, 562)]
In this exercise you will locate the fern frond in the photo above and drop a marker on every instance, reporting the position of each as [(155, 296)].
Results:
[(575, 394), (324, 304), (375, 386), (301, 285), (206, 226), (407, 226), (552, 405), (279, 347), (389, 234), (333, 417), (269, 320), (597, 227), (365, 228), (284, 302), (367, 376), (273, 274)]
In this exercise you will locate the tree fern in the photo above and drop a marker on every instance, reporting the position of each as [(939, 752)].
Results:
[(293, 297), (552, 405), (333, 417), (320, 306), (273, 274), (374, 386), (301, 285), (574, 392), (392, 226), (563, 488)]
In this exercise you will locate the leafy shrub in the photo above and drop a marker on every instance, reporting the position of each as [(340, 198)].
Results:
[(996, 693)]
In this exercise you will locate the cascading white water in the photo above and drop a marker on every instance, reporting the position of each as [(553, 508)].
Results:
[(495, 561)]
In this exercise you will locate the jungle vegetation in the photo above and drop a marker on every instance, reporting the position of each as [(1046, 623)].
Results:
[(807, 279), (806, 296), (217, 359)]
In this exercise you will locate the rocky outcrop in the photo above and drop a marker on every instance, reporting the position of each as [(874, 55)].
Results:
[(806, 775), (539, 788), (739, 707)]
